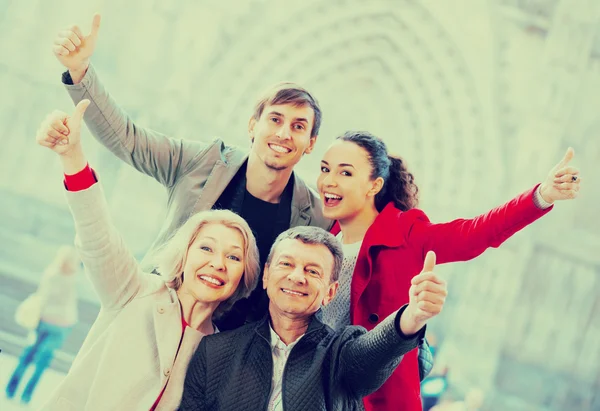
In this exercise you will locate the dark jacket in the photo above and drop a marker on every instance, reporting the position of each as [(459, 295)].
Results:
[(326, 370)]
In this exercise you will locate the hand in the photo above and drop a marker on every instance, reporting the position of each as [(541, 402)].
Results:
[(61, 133), (74, 50), (559, 184), (427, 295)]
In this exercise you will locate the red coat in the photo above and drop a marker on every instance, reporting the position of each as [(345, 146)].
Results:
[(393, 252)]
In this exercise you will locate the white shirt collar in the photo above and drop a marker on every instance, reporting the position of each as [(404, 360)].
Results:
[(276, 342)]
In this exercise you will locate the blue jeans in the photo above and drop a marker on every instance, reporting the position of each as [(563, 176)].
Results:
[(48, 339)]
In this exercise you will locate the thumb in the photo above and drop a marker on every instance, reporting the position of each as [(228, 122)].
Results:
[(568, 157), (78, 114), (429, 264), (95, 25)]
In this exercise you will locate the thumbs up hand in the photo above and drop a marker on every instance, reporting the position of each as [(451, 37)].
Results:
[(62, 133), (563, 181), (73, 49), (427, 295)]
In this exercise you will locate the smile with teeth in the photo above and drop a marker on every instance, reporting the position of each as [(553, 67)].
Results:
[(331, 199), (211, 280), (279, 149), (291, 292), (332, 196)]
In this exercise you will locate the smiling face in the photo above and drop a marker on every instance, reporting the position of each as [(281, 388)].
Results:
[(298, 278), (345, 182), (282, 135), (214, 263)]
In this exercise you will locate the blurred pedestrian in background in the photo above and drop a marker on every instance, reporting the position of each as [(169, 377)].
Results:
[(51, 312)]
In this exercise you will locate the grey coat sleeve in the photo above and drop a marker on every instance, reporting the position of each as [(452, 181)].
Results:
[(148, 151), (367, 359)]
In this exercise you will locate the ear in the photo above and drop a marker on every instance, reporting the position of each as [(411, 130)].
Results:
[(331, 291), (311, 145), (251, 124), (265, 279), (376, 187)]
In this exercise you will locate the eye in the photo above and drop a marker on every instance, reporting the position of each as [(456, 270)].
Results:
[(346, 173), (324, 169), (206, 248), (299, 127), (234, 258), (313, 272), (285, 264), (275, 119)]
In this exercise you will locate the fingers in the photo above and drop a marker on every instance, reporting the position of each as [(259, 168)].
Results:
[(75, 121), (429, 292), (80, 109), (57, 122), (46, 144), (566, 171), (60, 50), (567, 157), (65, 42), (95, 25), (568, 186), (429, 263), (430, 308), (53, 130), (567, 177), (71, 35), (427, 276), (431, 287), (75, 29)]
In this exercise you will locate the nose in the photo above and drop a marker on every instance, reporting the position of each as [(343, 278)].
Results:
[(329, 180), (297, 276), (284, 132), (218, 262)]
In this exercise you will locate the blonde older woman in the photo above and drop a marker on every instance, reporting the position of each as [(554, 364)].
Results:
[(136, 353)]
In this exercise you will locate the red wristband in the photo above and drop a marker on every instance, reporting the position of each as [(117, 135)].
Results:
[(81, 180)]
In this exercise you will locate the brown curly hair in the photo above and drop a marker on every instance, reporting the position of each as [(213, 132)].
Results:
[(399, 184)]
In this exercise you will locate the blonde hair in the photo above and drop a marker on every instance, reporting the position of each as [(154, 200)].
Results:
[(170, 258)]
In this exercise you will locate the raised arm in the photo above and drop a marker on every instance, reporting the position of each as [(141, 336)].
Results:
[(110, 266), (464, 239), (367, 359), (150, 152)]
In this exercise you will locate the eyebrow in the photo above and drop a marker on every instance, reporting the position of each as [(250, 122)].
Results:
[(341, 164), (212, 238), (302, 119)]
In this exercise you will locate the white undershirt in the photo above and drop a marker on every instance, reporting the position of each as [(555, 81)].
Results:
[(280, 353)]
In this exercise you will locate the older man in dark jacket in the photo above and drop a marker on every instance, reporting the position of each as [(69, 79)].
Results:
[(290, 360)]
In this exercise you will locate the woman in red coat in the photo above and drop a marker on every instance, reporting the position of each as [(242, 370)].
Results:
[(385, 238)]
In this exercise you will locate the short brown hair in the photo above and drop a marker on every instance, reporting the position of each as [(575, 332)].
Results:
[(290, 93), (317, 236)]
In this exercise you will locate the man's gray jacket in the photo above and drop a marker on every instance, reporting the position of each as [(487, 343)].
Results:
[(194, 173), (326, 370)]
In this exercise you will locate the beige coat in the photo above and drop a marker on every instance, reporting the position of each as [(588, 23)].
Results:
[(129, 354)]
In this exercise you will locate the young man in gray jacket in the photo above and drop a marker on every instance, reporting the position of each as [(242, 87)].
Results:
[(259, 185), (290, 360)]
